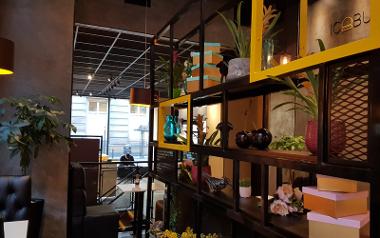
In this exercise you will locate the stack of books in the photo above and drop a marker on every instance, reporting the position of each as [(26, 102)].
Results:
[(212, 75), (338, 208)]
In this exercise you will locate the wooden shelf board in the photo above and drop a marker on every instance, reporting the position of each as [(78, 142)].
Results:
[(295, 160), (294, 225)]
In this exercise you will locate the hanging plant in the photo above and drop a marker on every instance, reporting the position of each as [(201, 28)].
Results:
[(35, 122)]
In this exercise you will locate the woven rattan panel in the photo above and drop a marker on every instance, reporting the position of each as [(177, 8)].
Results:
[(348, 127)]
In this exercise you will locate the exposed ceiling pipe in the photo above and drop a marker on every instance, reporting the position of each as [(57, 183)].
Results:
[(125, 70), (157, 68), (101, 62), (75, 36)]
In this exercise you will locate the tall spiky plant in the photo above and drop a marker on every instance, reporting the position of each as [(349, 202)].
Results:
[(241, 39), (309, 100)]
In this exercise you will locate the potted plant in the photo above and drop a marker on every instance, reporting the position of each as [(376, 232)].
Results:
[(240, 66), (245, 188), (202, 140), (35, 122), (292, 143), (181, 70), (306, 93)]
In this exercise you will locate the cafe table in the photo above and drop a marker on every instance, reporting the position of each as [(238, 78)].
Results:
[(139, 191)]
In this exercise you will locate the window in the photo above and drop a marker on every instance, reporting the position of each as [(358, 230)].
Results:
[(124, 127), (98, 105), (138, 110), (92, 106)]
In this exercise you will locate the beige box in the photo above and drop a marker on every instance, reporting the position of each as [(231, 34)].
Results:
[(208, 81), (322, 226), (333, 184)]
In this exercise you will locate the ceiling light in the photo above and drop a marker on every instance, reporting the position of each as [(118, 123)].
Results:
[(89, 77), (90, 94), (109, 79), (6, 56)]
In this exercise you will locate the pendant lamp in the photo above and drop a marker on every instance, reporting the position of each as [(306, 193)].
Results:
[(140, 97), (6, 56)]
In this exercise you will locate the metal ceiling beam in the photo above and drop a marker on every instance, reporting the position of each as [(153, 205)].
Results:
[(113, 30), (75, 36), (155, 70), (125, 70), (101, 62)]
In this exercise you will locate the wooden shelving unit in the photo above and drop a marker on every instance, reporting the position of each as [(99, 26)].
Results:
[(251, 212)]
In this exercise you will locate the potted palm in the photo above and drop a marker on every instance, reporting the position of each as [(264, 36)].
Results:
[(239, 67), (245, 188), (35, 122)]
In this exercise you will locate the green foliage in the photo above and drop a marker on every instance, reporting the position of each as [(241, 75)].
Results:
[(35, 122), (239, 35), (294, 143), (309, 101), (245, 183)]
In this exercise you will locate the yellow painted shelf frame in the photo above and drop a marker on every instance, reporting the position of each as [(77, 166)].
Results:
[(370, 43), (164, 109)]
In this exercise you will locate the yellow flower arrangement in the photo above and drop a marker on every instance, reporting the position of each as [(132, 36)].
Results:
[(188, 233), (169, 234)]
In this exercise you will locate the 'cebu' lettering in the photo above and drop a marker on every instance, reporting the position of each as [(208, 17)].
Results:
[(349, 23)]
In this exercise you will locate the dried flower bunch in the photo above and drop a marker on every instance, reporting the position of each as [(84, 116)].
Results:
[(287, 200)]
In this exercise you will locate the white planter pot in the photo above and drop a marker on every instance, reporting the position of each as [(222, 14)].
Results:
[(238, 68), (245, 192)]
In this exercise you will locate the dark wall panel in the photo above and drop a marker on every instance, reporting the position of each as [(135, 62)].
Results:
[(42, 32)]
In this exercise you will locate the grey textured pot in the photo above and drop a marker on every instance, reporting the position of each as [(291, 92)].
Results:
[(237, 68)]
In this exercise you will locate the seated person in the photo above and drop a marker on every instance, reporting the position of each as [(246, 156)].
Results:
[(125, 169)]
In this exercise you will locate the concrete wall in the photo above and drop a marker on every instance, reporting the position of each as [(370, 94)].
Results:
[(42, 32), (324, 17)]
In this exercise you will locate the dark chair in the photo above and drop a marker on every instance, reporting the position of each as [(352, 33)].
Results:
[(91, 221), (15, 197), (16, 203)]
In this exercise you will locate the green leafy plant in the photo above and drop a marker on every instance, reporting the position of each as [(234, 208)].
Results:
[(239, 35), (35, 122), (181, 70), (309, 99), (294, 143), (245, 183)]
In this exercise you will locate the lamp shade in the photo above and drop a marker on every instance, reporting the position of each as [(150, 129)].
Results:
[(6, 56), (140, 96)]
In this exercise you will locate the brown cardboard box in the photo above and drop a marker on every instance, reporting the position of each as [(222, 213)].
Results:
[(333, 184), (335, 204)]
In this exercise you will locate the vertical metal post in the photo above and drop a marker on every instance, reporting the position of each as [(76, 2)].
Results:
[(201, 44), (108, 126), (264, 194), (171, 66), (151, 128), (323, 109), (225, 131), (235, 185), (374, 141), (167, 206)]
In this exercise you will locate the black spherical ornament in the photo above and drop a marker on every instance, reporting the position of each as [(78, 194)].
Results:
[(252, 138), (242, 139), (261, 138)]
